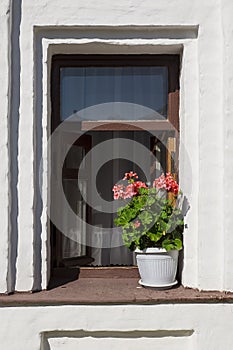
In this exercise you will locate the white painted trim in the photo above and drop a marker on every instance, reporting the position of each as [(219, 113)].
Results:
[(198, 119), (227, 91), (58, 46), (189, 158)]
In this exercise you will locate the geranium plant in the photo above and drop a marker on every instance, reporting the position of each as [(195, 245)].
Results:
[(150, 217)]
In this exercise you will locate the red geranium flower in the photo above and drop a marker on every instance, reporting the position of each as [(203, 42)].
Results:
[(137, 224), (130, 175), (167, 182)]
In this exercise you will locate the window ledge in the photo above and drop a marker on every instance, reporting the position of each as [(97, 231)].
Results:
[(111, 286)]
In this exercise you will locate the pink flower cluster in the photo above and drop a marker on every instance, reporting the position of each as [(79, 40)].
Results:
[(137, 224), (118, 191), (129, 175), (167, 182), (121, 191), (125, 192)]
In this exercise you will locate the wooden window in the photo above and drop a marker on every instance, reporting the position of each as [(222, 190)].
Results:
[(79, 82), (71, 66)]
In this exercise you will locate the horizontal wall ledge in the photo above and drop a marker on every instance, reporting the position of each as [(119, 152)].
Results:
[(122, 31), (110, 289)]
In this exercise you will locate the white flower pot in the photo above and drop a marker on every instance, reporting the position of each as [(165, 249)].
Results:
[(157, 267)]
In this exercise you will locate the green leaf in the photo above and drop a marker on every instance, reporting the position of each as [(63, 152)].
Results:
[(170, 244), (155, 237), (178, 244), (145, 217)]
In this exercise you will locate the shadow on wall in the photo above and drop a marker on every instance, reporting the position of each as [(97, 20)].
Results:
[(106, 339), (13, 110)]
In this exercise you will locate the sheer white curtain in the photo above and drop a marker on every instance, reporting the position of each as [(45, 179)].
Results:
[(83, 87)]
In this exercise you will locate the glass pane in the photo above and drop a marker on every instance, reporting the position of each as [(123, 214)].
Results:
[(71, 248), (83, 87), (74, 157)]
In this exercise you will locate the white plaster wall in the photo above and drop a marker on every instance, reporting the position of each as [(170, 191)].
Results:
[(227, 10), (205, 113), (203, 33), (188, 326), (4, 141)]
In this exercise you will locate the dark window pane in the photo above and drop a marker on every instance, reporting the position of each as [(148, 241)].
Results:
[(83, 87)]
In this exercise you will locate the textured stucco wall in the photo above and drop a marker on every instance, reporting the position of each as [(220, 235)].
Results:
[(176, 327), (202, 33), (4, 144)]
